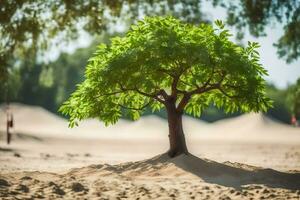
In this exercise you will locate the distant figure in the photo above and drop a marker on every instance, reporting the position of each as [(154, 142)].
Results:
[(294, 121), (9, 124)]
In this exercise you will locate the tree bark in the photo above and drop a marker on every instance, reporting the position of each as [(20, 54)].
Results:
[(176, 135)]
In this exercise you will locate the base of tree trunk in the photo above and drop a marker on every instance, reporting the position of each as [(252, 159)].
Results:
[(173, 153)]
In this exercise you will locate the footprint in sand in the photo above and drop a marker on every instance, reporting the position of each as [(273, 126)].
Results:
[(122, 194), (71, 155), (172, 195), (56, 189), (265, 191), (26, 178), (22, 188), (78, 187), (225, 197), (45, 155), (14, 193), (4, 183), (17, 155)]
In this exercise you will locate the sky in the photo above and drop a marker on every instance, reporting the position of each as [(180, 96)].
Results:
[(281, 74)]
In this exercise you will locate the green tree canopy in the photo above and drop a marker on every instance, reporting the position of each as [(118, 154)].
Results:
[(163, 60)]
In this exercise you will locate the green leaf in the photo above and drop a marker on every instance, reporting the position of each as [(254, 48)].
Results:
[(220, 24)]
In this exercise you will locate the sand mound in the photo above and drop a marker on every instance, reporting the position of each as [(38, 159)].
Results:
[(250, 120), (183, 177), (227, 174), (34, 120), (30, 114), (253, 122), (38, 121), (256, 127)]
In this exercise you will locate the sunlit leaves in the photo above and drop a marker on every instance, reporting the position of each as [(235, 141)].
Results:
[(156, 106), (220, 24), (127, 76), (197, 104)]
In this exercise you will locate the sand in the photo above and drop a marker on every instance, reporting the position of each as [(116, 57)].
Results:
[(48, 160), (183, 177)]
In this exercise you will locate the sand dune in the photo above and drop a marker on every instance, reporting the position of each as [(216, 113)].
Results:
[(44, 150), (34, 120), (246, 122), (38, 121), (256, 127)]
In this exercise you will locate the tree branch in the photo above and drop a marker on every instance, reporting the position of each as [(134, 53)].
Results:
[(185, 83), (174, 86), (187, 95), (163, 93), (204, 87), (153, 95), (176, 79), (226, 94), (132, 108), (185, 99), (166, 72), (209, 79), (111, 93)]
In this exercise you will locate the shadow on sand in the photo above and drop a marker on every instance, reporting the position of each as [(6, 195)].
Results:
[(235, 175), (3, 149), (21, 136)]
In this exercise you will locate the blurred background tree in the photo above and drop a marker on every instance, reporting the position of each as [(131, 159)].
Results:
[(256, 16), (293, 99), (32, 27), (29, 30)]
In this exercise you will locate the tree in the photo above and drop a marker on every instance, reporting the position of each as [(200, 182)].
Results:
[(280, 109), (293, 99), (257, 15), (30, 27), (163, 62)]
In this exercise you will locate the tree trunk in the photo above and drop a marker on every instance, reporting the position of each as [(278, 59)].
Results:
[(176, 135)]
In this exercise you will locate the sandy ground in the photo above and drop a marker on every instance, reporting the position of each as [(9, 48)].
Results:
[(48, 160)]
